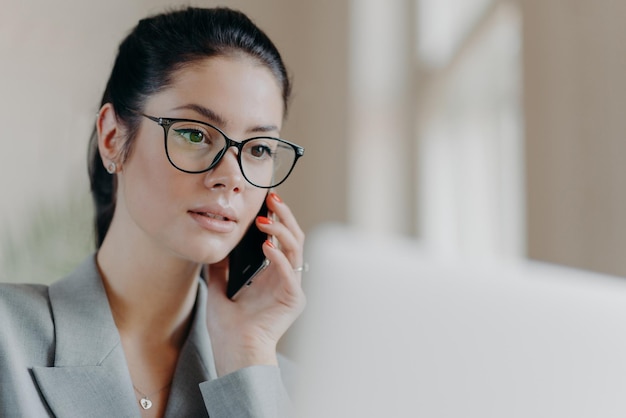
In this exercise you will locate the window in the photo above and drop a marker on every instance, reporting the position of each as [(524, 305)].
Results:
[(470, 127)]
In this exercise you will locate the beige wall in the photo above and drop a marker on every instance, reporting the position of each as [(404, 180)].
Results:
[(575, 110), (313, 39)]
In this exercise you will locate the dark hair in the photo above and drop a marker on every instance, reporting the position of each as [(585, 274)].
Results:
[(146, 63)]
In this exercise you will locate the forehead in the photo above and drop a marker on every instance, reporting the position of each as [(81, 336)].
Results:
[(236, 87)]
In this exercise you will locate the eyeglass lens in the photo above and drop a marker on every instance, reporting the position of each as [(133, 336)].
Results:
[(195, 147)]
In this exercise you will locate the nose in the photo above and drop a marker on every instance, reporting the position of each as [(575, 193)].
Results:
[(226, 174)]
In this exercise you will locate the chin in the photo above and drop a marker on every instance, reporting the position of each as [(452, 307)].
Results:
[(199, 246), (207, 252)]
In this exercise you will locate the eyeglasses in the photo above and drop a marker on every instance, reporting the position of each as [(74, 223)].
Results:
[(196, 147)]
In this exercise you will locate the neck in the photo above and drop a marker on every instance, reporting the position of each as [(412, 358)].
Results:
[(151, 300)]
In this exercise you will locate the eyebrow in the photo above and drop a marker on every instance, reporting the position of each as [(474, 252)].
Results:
[(217, 119)]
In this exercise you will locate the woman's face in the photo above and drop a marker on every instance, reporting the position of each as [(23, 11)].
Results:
[(199, 217)]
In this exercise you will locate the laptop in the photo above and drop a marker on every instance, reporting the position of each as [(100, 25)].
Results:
[(391, 330)]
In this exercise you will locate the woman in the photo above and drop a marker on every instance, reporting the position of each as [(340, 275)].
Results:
[(134, 330)]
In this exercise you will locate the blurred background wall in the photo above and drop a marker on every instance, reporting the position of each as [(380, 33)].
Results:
[(482, 127)]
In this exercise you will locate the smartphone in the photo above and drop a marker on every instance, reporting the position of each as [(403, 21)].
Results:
[(247, 260)]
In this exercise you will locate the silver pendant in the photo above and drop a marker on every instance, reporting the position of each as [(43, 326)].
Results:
[(145, 403)]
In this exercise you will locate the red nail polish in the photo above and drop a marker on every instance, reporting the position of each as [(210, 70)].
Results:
[(276, 197), (264, 220), (269, 243)]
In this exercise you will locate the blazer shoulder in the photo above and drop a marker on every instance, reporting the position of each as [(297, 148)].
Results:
[(23, 300), (26, 318), (27, 340)]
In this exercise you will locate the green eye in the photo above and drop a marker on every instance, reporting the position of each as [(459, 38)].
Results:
[(191, 135)]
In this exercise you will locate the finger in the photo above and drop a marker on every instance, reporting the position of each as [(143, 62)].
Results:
[(276, 205), (291, 237), (278, 286), (286, 240), (291, 281), (282, 265)]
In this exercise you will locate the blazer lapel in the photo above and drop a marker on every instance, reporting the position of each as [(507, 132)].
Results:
[(90, 376), (195, 365)]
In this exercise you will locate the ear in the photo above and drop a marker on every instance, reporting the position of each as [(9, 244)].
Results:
[(110, 138)]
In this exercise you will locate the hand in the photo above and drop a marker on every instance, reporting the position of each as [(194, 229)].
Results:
[(245, 332)]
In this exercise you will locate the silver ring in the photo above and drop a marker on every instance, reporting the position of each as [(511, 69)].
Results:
[(303, 268)]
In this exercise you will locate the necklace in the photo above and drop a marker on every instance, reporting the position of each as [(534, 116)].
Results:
[(145, 401)]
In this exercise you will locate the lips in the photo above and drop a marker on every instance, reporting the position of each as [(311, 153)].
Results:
[(212, 216), (214, 219)]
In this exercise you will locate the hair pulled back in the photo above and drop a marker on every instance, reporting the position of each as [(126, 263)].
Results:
[(146, 63)]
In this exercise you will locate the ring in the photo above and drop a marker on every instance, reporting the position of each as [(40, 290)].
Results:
[(303, 268)]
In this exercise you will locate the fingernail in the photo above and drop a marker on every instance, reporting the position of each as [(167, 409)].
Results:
[(276, 197), (264, 220), (269, 243)]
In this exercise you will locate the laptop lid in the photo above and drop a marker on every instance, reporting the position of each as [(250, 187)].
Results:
[(391, 331)]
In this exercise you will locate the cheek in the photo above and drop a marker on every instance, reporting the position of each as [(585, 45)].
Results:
[(254, 202), (152, 188), (157, 196)]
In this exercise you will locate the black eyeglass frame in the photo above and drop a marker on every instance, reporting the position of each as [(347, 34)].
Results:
[(166, 123)]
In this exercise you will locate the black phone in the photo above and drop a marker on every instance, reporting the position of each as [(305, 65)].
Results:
[(247, 260)]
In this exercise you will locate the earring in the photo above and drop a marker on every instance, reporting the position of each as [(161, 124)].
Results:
[(111, 168)]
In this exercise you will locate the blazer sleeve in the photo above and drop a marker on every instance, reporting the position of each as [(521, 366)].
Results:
[(252, 392)]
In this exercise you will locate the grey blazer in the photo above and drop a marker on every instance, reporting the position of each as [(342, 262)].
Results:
[(61, 355)]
